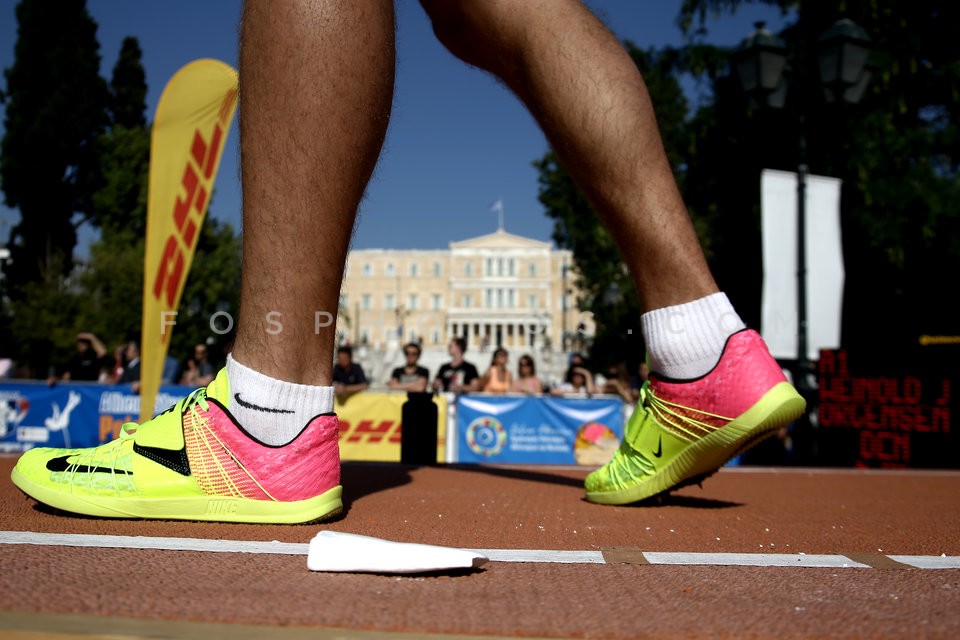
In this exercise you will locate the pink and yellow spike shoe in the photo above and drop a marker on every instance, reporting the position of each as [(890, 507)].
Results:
[(193, 462), (683, 431)]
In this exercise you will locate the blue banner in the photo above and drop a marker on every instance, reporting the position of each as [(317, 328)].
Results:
[(538, 430), (71, 415)]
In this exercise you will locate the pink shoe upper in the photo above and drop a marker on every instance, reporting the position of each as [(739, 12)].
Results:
[(226, 461), (746, 371)]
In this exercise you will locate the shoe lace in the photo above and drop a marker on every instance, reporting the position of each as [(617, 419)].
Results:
[(194, 399), (688, 421)]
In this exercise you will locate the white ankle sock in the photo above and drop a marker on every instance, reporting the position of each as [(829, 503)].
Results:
[(271, 410), (686, 340)]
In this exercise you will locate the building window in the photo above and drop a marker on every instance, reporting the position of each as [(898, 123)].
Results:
[(390, 270), (467, 301), (512, 266), (365, 301), (344, 302), (436, 302), (414, 269), (412, 302), (435, 336), (532, 302), (468, 269), (390, 301), (437, 270), (511, 298), (489, 304), (367, 269)]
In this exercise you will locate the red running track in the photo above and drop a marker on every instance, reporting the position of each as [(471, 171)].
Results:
[(868, 518)]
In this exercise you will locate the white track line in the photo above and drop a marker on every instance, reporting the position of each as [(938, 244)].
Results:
[(496, 555)]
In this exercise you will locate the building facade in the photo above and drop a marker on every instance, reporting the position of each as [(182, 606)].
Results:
[(497, 289)]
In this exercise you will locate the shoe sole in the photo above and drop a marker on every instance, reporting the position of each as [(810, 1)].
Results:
[(200, 508), (780, 406)]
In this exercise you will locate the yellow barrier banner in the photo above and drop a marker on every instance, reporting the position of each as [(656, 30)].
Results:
[(191, 125), (370, 426)]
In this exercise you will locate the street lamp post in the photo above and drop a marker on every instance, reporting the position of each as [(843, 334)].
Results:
[(563, 307), (761, 63)]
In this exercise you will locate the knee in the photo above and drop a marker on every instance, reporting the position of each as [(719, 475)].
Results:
[(464, 28)]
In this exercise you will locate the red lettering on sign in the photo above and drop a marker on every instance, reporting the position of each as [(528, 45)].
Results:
[(202, 158), (884, 446), (169, 272), (373, 433)]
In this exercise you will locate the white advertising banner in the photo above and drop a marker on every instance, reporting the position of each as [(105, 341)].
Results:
[(824, 262)]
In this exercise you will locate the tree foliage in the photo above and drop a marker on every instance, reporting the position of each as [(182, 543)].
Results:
[(55, 100), (63, 119), (896, 153)]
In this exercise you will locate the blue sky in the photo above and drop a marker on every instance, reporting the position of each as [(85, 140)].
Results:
[(457, 141)]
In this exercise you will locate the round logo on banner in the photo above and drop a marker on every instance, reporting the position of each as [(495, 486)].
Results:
[(486, 436), (595, 444)]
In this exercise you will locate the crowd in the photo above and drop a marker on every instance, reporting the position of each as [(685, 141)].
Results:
[(461, 376), (92, 361)]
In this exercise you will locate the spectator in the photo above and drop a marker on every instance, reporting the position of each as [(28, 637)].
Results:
[(580, 383), (348, 376), (497, 378), (171, 369), (411, 376), (458, 375), (198, 371), (91, 362), (130, 363), (576, 361), (527, 380), (617, 383)]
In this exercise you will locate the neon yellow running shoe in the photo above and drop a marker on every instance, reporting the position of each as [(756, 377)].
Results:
[(683, 431), (193, 462)]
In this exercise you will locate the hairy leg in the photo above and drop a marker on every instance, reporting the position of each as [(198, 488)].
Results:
[(592, 104), (316, 85)]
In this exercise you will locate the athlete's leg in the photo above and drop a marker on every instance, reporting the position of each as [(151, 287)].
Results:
[(259, 443), (587, 95), (310, 135), (714, 389)]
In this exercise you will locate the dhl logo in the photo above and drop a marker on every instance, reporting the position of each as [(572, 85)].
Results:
[(189, 209), (370, 431)]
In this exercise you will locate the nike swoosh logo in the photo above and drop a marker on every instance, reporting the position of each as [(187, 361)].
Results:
[(659, 451), (256, 407), (61, 464), (173, 460)]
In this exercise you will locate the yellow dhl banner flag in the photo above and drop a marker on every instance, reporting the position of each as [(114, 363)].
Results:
[(191, 125)]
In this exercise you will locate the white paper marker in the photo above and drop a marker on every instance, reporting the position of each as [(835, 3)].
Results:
[(351, 553)]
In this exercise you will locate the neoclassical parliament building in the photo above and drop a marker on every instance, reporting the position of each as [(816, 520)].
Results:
[(496, 289)]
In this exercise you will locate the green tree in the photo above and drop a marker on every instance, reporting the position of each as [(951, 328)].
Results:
[(128, 87), (896, 152), (120, 205), (55, 111)]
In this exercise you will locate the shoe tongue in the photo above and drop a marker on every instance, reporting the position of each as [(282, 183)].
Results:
[(219, 389)]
